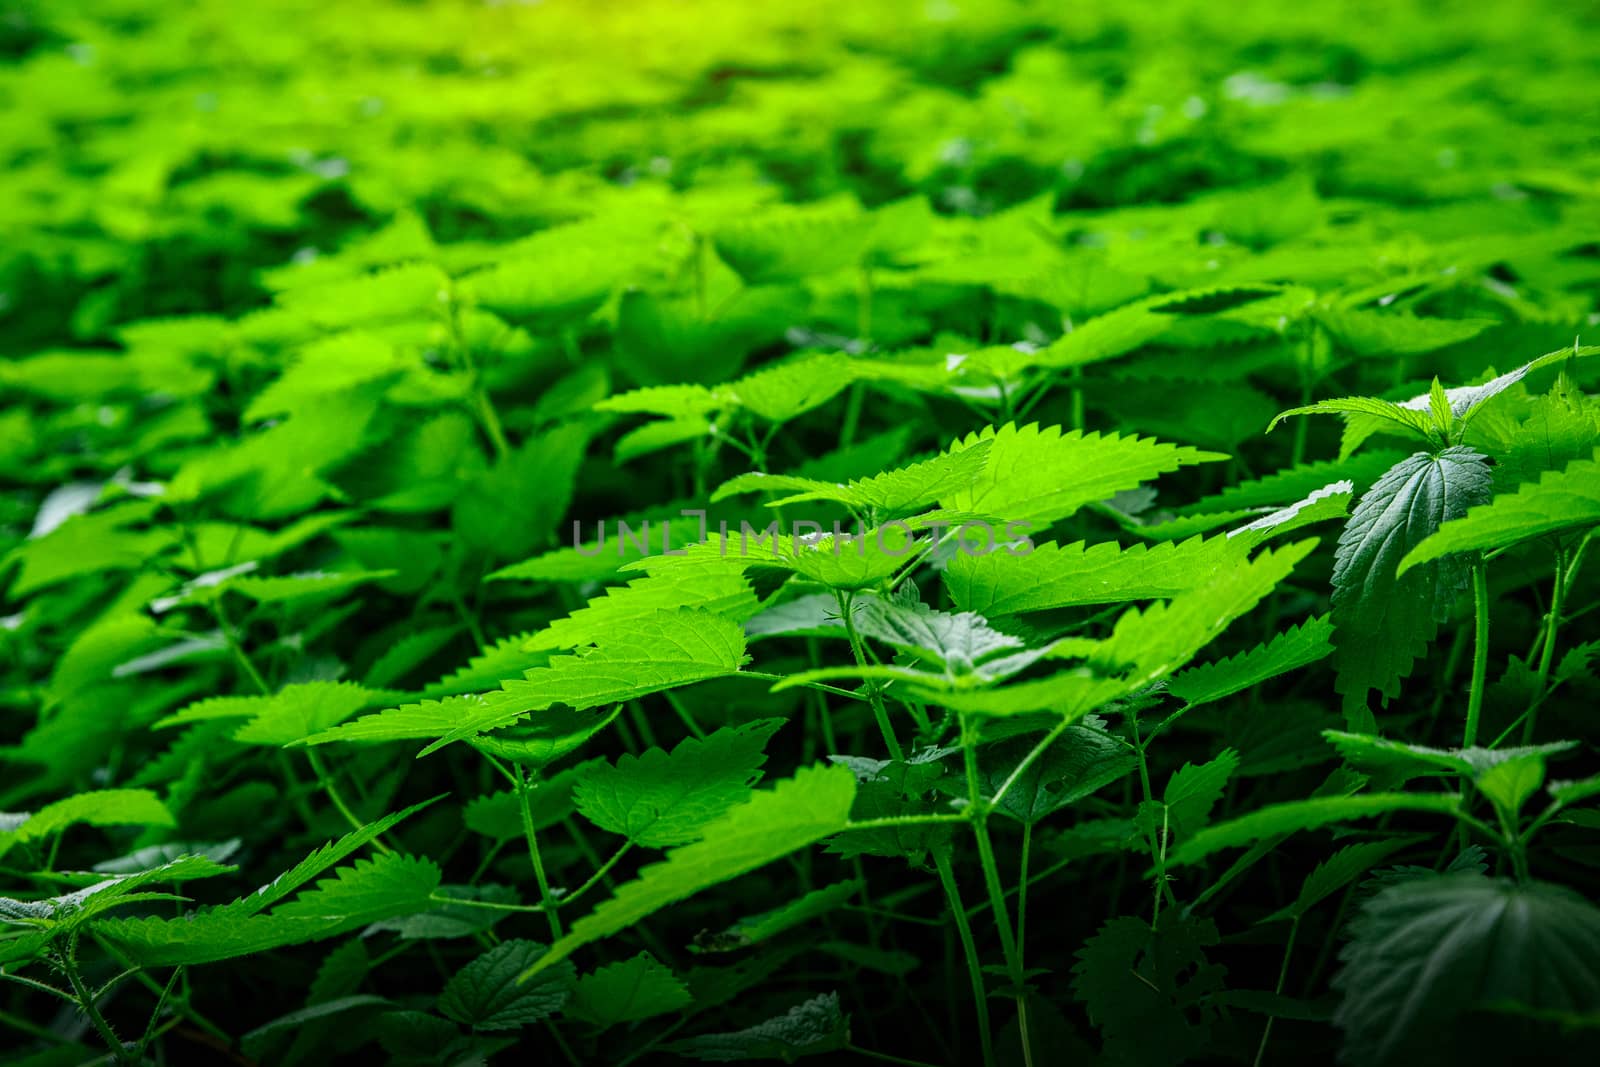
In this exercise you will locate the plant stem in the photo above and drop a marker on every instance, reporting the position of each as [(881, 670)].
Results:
[(1547, 653), (979, 808), (1480, 650), (86, 1002), (879, 712), (980, 1003), (594, 879), (524, 791), (1283, 975)]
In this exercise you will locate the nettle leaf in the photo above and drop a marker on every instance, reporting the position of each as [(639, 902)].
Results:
[(294, 712), (716, 585), (1392, 415), (814, 1028), (767, 925), (107, 807), (1297, 647), (396, 886), (890, 493), (1083, 760), (660, 798), (628, 991), (486, 993), (1275, 819), (1375, 333), (1427, 952), (1038, 476), (1559, 501), (889, 789), (667, 650), (1146, 645), (1185, 805), (1148, 990), (788, 390), (1383, 623), (1338, 871), (960, 644), (1399, 761), (1055, 576), (796, 812)]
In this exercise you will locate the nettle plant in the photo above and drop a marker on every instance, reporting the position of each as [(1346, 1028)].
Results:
[(1049, 709), (1031, 684)]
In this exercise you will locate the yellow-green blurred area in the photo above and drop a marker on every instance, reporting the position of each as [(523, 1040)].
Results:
[(159, 157)]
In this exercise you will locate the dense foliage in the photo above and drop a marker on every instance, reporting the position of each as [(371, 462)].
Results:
[(1066, 714)]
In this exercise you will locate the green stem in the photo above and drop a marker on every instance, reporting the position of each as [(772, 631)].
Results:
[(980, 1003), (1547, 653), (879, 712), (594, 879), (326, 781), (1480, 650), (119, 1051), (524, 792), (980, 807), (1283, 975)]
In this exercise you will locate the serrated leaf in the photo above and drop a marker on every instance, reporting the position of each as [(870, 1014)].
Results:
[(107, 807), (1558, 501), (1338, 871), (758, 928), (814, 1028), (1056, 576), (1275, 819), (660, 798), (1383, 623), (1039, 476), (1427, 951), (628, 991), (1147, 989), (1297, 647), (667, 650), (797, 812), (487, 995)]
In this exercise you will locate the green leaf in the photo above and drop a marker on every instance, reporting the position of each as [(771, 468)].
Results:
[(294, 712), (716, 585), (661, 652), (1148, 990), (1373, 333), (894, 492), (237, 929), (1297, 647), (628, 991), (1083, 760), (797, 812), (1338, 871), (1039, 476), (1275, 819), (659, 798), (1427, 951), (1383, 623), (1053, 576), (1394, 416), (758, 928), (1146, 645), (814, 1028), (960, 644), (1185, 805), (1558, 501), (486, 994), (107, 807)]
